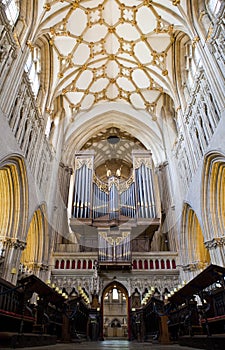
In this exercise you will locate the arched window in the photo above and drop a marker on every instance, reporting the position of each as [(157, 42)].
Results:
[(192, 60), (89, 264), (157, 264), (67, 264), (162, 264), (56, 264), (11, 10), (214, 6), (140, 266), (33, 68), (115, 294)]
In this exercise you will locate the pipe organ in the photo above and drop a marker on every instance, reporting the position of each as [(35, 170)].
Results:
[(114, 246), (113, 198), (107, 204), (83, 186), (100, 199), (145, 191), (117, 199)]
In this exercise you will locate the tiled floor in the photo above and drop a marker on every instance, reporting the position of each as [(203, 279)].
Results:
[(110, 345)]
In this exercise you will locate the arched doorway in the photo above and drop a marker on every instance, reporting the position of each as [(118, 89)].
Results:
[(115, 312)]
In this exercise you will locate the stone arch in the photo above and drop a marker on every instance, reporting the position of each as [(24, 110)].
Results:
[(14, 197), (118, 285), (194, 253), (213, 195), (121, 288), (213, 205), (13, 211), (35, 255)]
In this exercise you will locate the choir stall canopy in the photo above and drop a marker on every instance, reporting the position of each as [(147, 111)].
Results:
[(209, 276), (36, 285)]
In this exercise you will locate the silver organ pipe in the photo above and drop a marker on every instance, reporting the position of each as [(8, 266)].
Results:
[(113, 199), (150, 179), (100, 202), (94, 198), (149, 194), (145, 197), (89, 194), (144, 186), (133, 206), (75, 203), (127, 201), (77, 194), (114, 247), (139, 191), (82, 192), (85, 191), (83, 185)]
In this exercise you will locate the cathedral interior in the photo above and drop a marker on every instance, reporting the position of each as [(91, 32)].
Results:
[(112, 171)]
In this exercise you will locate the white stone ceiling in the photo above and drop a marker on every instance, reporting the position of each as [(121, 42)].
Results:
[(111, 50), (112, 55)]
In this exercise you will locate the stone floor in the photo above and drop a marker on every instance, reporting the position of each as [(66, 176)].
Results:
[(109, 345)]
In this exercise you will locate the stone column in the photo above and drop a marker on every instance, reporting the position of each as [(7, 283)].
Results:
[(216, 247), (13, 248)]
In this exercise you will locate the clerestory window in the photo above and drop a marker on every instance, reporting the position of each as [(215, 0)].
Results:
[(11, 10), (214, 6), (33, 69)]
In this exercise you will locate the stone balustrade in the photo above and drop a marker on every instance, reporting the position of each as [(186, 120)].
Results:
[(81, 261)]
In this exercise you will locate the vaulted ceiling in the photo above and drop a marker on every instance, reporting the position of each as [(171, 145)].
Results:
[(111, 50), (112, 55)]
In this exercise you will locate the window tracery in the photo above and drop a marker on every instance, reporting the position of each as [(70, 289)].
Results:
[(11, 10), (213, 6), (33, 68)]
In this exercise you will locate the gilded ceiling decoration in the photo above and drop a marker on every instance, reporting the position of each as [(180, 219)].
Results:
[(113, 156), (111, 50)]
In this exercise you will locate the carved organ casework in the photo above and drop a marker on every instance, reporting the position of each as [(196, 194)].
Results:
[(117, 209)]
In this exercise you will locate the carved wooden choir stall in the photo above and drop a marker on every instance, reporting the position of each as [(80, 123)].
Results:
[(197, 311)]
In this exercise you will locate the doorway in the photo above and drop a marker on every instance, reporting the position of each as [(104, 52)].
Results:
[(115, 313)]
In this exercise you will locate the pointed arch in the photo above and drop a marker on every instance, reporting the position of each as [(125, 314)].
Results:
[(192, 240), (14, 197), (35, 255), (122, 290), (213, 195)]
